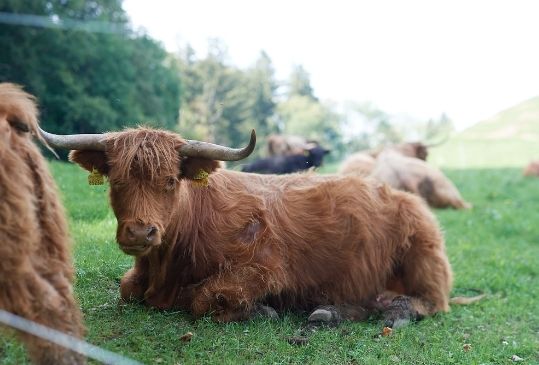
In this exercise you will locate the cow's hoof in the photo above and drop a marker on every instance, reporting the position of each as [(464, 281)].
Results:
[(399, 313), (327, 314), (266, 312)]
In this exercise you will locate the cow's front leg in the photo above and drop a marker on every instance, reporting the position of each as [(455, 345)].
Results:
[(232, 295), (133, 285)]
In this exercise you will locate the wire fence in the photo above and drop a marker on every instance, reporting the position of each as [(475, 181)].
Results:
[(53, 21), (64, 340)]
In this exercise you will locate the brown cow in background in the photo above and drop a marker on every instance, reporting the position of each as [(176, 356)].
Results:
[(36, 272), (410, 149), (532, 169), (358, 164), (287, 145), (418, 177), (226, 243), (362, 163)]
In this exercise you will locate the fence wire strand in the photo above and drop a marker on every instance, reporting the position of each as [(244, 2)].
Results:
[(64, 340)]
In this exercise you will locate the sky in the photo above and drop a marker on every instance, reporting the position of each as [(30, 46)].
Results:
[(468, 59)]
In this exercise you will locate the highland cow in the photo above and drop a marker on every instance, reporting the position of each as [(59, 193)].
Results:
[(418, 177), (36, 272), (286, 145), (225, 242), (358, 164)]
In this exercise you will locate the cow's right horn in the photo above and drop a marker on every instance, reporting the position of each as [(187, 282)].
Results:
[(216, 152), (74, 141)]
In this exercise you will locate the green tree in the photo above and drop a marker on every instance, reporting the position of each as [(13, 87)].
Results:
[(213, 105), (300, 83), (221, 103), (261, 96), (88, 81), (303, 116), (383, 130)]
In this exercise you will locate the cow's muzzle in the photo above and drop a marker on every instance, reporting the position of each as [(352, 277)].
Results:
[(137, 239)]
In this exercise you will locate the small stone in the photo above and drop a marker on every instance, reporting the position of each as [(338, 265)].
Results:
[(187, 337), (320, 315), (268, 312), (516, 358), (466, 347), (386, 331), (394, 358)]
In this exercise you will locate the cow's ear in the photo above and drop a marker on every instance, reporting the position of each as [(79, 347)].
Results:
[(90, 160), (192, 167)]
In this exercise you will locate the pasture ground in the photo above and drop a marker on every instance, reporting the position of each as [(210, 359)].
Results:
[(494, 247)]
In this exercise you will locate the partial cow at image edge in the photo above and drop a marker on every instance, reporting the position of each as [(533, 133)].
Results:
[(36, 269)]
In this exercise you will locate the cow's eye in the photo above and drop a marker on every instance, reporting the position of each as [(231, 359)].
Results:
[(171, 183)]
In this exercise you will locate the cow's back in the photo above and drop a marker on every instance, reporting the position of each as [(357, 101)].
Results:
[(321, 227)]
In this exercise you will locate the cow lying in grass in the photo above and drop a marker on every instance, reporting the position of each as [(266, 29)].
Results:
[(36, 272), (362, 163), (224, 242), (358, 164), (418, 177), (286, 145)]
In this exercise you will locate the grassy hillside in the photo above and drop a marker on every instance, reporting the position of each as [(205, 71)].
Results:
[(509, 139)]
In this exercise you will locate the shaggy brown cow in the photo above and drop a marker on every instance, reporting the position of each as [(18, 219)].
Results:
[(532, 169), (358, 164), (410, 149), (285, 145), (293, 241), (36, 272), (362, 163), (416, 176)]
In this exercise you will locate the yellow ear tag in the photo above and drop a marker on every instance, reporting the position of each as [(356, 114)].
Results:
[(95, 178), (201, 178)]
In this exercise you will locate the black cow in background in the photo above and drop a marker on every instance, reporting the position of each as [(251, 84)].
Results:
[(312, 157)]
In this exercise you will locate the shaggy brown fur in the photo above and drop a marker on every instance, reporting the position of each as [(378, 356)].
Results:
[(532, 169), (284, 145), (358, 164), (296, 241), (408, 149), (36, 272), (416, 176)]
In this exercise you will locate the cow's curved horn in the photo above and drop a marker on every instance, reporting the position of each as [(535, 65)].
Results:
[(216, 152), (74, 141)]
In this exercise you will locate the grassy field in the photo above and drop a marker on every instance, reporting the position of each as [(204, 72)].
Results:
[(508, 139), (494, 247)]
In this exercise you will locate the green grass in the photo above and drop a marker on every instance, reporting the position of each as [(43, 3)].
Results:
[(493, 247)]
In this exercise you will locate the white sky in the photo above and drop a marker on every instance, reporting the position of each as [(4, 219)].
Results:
[(469, 59)]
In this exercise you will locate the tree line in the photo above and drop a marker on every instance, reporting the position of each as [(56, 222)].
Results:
[(94, 73)]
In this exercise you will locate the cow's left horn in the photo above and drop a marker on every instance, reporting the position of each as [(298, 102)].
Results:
[(216, 152), (74, 141)]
